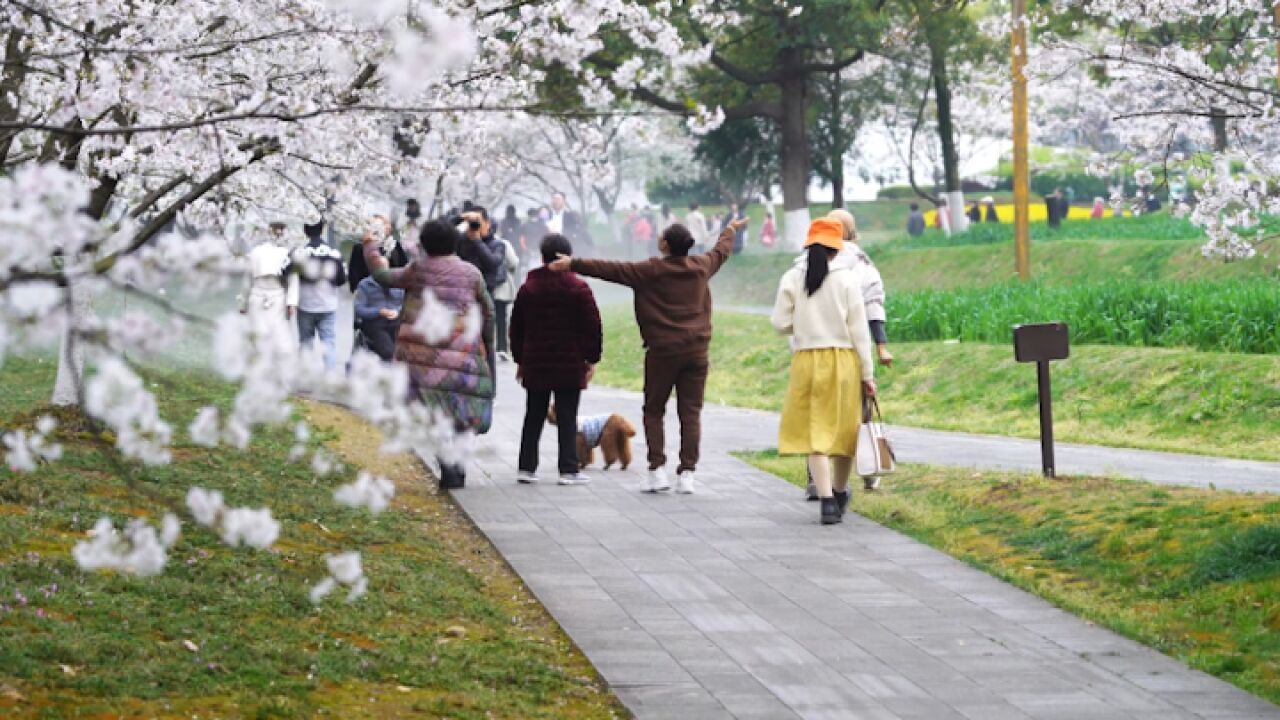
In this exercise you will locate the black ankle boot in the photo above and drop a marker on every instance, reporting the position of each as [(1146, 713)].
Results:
[(830, 511), (452, 477), (842, 500)]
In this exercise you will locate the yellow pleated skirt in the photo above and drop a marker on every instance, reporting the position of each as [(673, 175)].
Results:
[(823, 407)]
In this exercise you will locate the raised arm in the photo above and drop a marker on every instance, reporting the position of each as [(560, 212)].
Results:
[(379, 269), (623, 273), (724, 245)]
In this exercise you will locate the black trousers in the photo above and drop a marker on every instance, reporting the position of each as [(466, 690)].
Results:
[(380, 335), (535, 418), (501, 308)]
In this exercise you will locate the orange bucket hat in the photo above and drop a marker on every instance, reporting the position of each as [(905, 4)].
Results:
[(826, 232)]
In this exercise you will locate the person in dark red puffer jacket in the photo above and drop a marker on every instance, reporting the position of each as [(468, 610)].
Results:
[(555, 342)]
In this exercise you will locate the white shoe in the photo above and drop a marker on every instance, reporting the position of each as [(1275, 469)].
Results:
[(527, 478), (574, 479), (870, 483), (684, 482), (657, 482)]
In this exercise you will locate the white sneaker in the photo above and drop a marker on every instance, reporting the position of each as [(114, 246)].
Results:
[(574, 479), (684, 482), (870, 483), (657, 481), (527, 478)]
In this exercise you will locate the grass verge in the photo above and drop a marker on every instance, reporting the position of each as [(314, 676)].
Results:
[(446, 630), (1192, 573), (1156, 399)]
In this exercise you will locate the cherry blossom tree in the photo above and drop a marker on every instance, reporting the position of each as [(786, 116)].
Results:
[(122, 118), (1190, 84)]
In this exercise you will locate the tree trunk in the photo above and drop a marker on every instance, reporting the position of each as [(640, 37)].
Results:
[(68, 388), (837, 184), (608, 206), (947, 136), (795, 148), (1218, 120)]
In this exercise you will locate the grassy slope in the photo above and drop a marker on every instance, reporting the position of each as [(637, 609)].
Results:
[(104, 643), (752, 280), (1193, 573), (1177, 400)]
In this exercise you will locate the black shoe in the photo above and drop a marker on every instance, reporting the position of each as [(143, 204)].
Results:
[(830, 511), (812, 493), (842, 501), (452, 477)]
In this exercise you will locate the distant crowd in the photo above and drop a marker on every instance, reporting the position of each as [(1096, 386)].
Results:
[(1057, 205), (643, 227)]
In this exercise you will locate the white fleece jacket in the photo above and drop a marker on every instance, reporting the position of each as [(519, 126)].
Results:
[(833, 317), (872, 284)]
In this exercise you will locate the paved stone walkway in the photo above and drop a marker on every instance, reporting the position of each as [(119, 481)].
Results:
[(735, 603)]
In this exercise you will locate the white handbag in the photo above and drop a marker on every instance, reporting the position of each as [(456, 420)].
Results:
[(875, 454)]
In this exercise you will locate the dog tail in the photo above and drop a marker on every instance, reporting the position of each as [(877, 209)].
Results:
[(627, 428)]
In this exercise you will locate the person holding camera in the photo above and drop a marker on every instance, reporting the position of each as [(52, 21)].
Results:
[(481, 248)]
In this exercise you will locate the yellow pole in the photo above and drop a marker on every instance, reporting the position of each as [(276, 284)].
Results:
[(1021, 164)]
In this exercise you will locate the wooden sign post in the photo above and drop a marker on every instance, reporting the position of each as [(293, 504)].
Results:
[(1041, 344)]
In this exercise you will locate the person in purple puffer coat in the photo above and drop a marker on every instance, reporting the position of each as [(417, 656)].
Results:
[(556, 341), (453, 373)]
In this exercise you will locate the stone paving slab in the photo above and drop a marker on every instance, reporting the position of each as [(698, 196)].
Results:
[(735, 603)]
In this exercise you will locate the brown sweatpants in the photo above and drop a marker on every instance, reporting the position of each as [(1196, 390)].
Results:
[(687, 375)]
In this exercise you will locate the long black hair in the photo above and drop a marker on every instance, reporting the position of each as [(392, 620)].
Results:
[(819, 265)]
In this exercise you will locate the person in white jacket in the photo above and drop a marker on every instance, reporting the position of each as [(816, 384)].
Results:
[(268, 287), (820, 304), (503, 296)]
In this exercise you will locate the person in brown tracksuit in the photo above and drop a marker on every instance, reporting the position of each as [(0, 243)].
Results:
[(673, 310)]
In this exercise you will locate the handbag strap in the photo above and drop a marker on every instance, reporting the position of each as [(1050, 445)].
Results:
[(879, 420), (875, 410)]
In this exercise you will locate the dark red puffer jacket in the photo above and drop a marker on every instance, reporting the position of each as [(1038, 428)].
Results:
[(555, 331)]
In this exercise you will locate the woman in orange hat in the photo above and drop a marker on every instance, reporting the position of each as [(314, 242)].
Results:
[(820, 304)]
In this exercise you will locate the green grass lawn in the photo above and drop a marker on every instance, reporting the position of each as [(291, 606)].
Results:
[(445, 631), (1192, 573), (1159, 399)]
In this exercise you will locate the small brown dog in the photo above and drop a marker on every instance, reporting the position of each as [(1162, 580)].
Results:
[(612, 433)]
